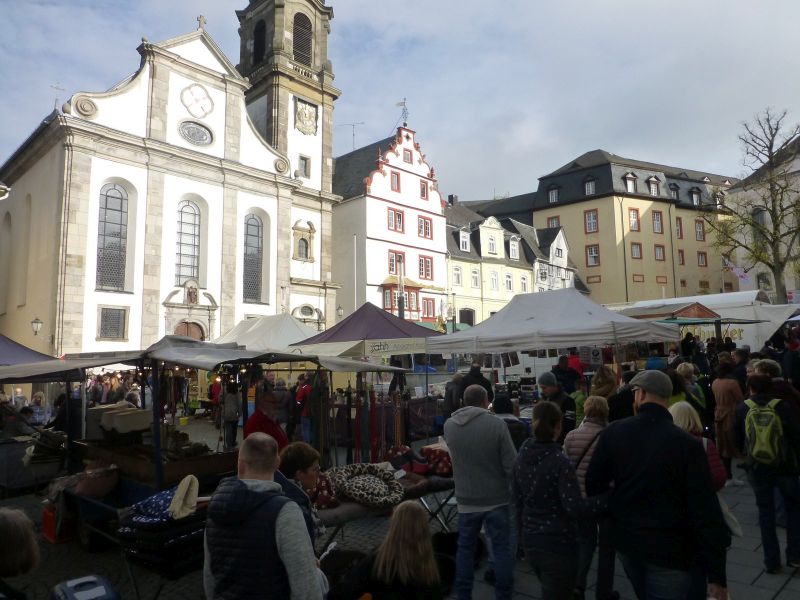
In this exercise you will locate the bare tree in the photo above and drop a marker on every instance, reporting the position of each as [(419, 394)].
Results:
[(761, 216)]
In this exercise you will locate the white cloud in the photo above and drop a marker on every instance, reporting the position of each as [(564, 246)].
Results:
[(499, 93)]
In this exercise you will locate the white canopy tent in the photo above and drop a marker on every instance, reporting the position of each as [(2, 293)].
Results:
[(555, 319), (275, 332), (752, 305)]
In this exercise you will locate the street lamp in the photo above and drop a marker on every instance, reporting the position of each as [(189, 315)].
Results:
[(36, 325), (339, 311)]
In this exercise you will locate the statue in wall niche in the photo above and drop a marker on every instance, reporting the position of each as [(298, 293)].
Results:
[(191, 294)]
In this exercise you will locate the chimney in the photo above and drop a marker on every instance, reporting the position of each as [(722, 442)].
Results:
[(452, 199)]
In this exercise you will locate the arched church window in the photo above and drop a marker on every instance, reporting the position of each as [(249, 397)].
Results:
[(187, 246), (302, 249), (253, 258), (112, 238), (301, 36), (259, 42)]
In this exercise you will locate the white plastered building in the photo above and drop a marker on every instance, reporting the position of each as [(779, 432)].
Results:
[(390, 219), (191, 195)]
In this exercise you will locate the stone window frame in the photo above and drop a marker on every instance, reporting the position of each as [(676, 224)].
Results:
[(304, 166), (126, 312), (307, 233)]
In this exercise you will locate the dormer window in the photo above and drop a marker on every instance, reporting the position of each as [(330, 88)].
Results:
[(552, 195), (492, 245), (513, 249), (630, 183), (673, 191), (464, 241), (695, 196), (589, 187), (652, 186)]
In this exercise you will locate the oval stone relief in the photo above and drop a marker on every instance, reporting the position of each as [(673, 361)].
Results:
[(195, 133)]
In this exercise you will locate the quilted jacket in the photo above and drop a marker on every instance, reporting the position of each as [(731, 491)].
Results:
[(576, 442)]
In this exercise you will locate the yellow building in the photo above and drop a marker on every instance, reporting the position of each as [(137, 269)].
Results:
[(635, 228), (490, 260)]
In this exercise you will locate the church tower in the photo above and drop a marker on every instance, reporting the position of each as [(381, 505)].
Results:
[(284, 54)]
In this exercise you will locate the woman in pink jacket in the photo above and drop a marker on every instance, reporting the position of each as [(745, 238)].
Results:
[(579, 446)]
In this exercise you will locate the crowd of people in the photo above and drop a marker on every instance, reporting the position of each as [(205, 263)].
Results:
[(626, 465), (629, 464)]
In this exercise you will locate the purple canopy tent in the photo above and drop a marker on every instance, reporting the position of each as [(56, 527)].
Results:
[(14, 353), (369, 332)]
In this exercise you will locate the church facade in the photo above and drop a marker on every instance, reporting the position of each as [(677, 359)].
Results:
[(188, 197)]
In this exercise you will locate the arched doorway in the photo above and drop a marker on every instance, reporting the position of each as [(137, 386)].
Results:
[(192, 330)]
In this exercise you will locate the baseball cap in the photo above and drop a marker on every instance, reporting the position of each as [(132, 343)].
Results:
[(654, 382), (548, 379)]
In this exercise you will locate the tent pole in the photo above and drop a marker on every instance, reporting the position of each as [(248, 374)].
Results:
[(159, 466), (83, 403), (428, 427)]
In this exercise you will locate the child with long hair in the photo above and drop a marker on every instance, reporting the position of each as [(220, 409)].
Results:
[(402, 567)]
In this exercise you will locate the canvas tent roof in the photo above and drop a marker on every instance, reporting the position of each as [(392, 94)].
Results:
[(750, 305), (369, 331), (274, 332), (554, 319), (13, 353), (179, 350)]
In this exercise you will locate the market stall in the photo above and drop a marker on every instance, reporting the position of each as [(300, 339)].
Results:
[(373, 333), (271, 333), (554, 319)]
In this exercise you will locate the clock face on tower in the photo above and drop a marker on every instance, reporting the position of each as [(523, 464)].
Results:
[(305, 118)]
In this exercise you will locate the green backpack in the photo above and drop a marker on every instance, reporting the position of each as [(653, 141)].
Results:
[(764, 433)]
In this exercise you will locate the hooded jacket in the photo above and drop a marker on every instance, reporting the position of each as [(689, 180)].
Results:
[(483, 456), (548, 498), (257, 545)]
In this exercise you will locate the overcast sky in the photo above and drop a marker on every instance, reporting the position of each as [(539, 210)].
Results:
[(500, 93)]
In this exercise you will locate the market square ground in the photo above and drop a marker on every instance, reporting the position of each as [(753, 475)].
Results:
[(746, 576)]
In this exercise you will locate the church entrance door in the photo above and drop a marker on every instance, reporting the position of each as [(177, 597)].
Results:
[(192, 330)]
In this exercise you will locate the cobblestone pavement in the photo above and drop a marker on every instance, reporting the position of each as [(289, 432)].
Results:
[(746, 576)]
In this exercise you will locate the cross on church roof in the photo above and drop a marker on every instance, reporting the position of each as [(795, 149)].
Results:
[(201, 23)]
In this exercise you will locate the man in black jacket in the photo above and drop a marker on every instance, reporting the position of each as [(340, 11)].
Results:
[(475, 377), (766, 479), (551, 390), (665, 517)]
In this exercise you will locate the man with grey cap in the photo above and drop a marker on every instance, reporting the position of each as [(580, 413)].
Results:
[(551, 390), (665, 517)]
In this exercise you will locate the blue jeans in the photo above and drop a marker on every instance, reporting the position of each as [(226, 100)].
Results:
[(512, 537), (230, 430), (305, 424), (651, 582), (765, 482), (498, 530)]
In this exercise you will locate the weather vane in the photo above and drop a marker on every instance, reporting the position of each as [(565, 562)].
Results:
[(56, 87)]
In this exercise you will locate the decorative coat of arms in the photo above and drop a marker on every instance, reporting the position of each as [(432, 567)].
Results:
[(197, 101), (305, 118)]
